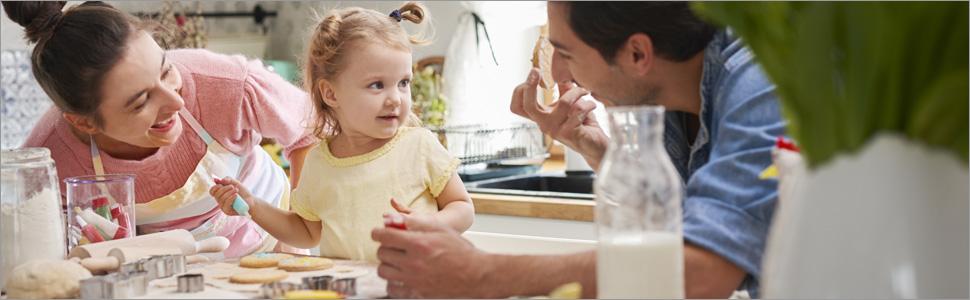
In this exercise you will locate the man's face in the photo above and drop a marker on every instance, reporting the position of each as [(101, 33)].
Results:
[(577, 61)]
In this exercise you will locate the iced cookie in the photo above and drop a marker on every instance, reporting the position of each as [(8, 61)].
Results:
[(261, 276), (303, 264), (262, 260)]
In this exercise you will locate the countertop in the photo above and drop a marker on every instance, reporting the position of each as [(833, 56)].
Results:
[(369, 285)]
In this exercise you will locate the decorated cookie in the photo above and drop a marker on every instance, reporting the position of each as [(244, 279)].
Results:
[(263, 260), (302, 264), (260, 276)]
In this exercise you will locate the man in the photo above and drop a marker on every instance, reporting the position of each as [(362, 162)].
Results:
[(720, 126)]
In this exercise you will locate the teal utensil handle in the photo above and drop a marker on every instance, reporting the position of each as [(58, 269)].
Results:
[(240, 206)]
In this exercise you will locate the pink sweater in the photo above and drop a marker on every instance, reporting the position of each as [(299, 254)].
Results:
[(239, 102)]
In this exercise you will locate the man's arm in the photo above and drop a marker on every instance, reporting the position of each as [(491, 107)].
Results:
[(532, 275), (707, 275)]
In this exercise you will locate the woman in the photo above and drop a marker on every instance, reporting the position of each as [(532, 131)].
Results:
[(121, 103)]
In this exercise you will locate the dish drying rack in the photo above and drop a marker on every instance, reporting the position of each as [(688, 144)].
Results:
[(489, 151)]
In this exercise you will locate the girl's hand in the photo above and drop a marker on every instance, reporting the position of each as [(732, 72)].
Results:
[(400, 207), (226, 191), (396, 220)]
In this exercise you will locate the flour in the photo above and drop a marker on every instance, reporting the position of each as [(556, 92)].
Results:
[(31, 229)]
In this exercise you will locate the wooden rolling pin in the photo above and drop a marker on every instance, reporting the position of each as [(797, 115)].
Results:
[(118, 256), (179, 238)]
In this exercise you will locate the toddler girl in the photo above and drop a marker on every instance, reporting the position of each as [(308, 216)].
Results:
[(358, 73)]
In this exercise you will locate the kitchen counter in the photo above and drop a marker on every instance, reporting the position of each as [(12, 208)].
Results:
[(369, 285)]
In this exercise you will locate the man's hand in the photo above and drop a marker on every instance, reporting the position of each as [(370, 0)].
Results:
[(428, 260), (568, 120)]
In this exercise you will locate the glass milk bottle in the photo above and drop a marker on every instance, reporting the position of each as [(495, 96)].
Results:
[(638, 210), (31, 224)]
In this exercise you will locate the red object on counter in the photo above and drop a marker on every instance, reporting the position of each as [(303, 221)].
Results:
[(395, 221), (400, 226), (786, 144)]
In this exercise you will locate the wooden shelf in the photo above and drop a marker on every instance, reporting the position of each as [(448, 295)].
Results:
[(534, 207)]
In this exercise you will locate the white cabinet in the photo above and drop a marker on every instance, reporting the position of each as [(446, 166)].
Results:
[(524, 235)]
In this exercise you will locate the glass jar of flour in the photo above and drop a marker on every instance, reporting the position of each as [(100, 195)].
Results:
[(31, 222)]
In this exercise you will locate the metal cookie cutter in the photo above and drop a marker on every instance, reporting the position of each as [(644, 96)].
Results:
[(190, 283), (318, 282), (167, 265), (276, 290), (159, 266), (115, 286), (345, 286)]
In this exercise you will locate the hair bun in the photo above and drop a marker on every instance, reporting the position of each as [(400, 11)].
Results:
[(37, 17)]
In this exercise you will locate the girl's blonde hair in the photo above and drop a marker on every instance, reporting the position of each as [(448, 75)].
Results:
[(331, 41)]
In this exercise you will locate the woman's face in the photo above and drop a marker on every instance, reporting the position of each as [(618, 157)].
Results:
[(140, 99)]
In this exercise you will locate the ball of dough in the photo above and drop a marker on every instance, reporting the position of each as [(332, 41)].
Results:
[(46, 279)]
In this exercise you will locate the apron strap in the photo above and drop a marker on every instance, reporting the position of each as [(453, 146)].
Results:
[(96, 158), (99, 171), (196, 126)]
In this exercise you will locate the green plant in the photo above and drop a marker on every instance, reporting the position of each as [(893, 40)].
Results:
[(846, 71), (428, 101)]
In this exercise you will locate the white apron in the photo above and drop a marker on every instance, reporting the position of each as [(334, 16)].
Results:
[(191, 207)]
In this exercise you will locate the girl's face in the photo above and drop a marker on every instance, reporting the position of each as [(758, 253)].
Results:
[(372, 96), (140, 100)]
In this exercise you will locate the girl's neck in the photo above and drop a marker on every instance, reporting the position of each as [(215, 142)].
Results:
[(348, 144)]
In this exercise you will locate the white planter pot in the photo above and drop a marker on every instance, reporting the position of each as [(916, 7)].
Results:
[(888, 222)]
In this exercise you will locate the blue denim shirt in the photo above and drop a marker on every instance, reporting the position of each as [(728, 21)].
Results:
[(727, 209)]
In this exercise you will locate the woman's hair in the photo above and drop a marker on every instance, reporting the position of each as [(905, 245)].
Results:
[(74, 49), (333, 39)]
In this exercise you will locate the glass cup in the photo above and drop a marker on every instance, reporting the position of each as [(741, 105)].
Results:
[(100, 208)]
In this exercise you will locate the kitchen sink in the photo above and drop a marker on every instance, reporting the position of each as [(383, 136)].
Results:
[(551, 185)]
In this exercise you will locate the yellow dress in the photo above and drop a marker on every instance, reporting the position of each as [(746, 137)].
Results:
[(350, 195)]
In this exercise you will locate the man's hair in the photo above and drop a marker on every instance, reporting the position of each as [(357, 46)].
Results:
[(676, 32)]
